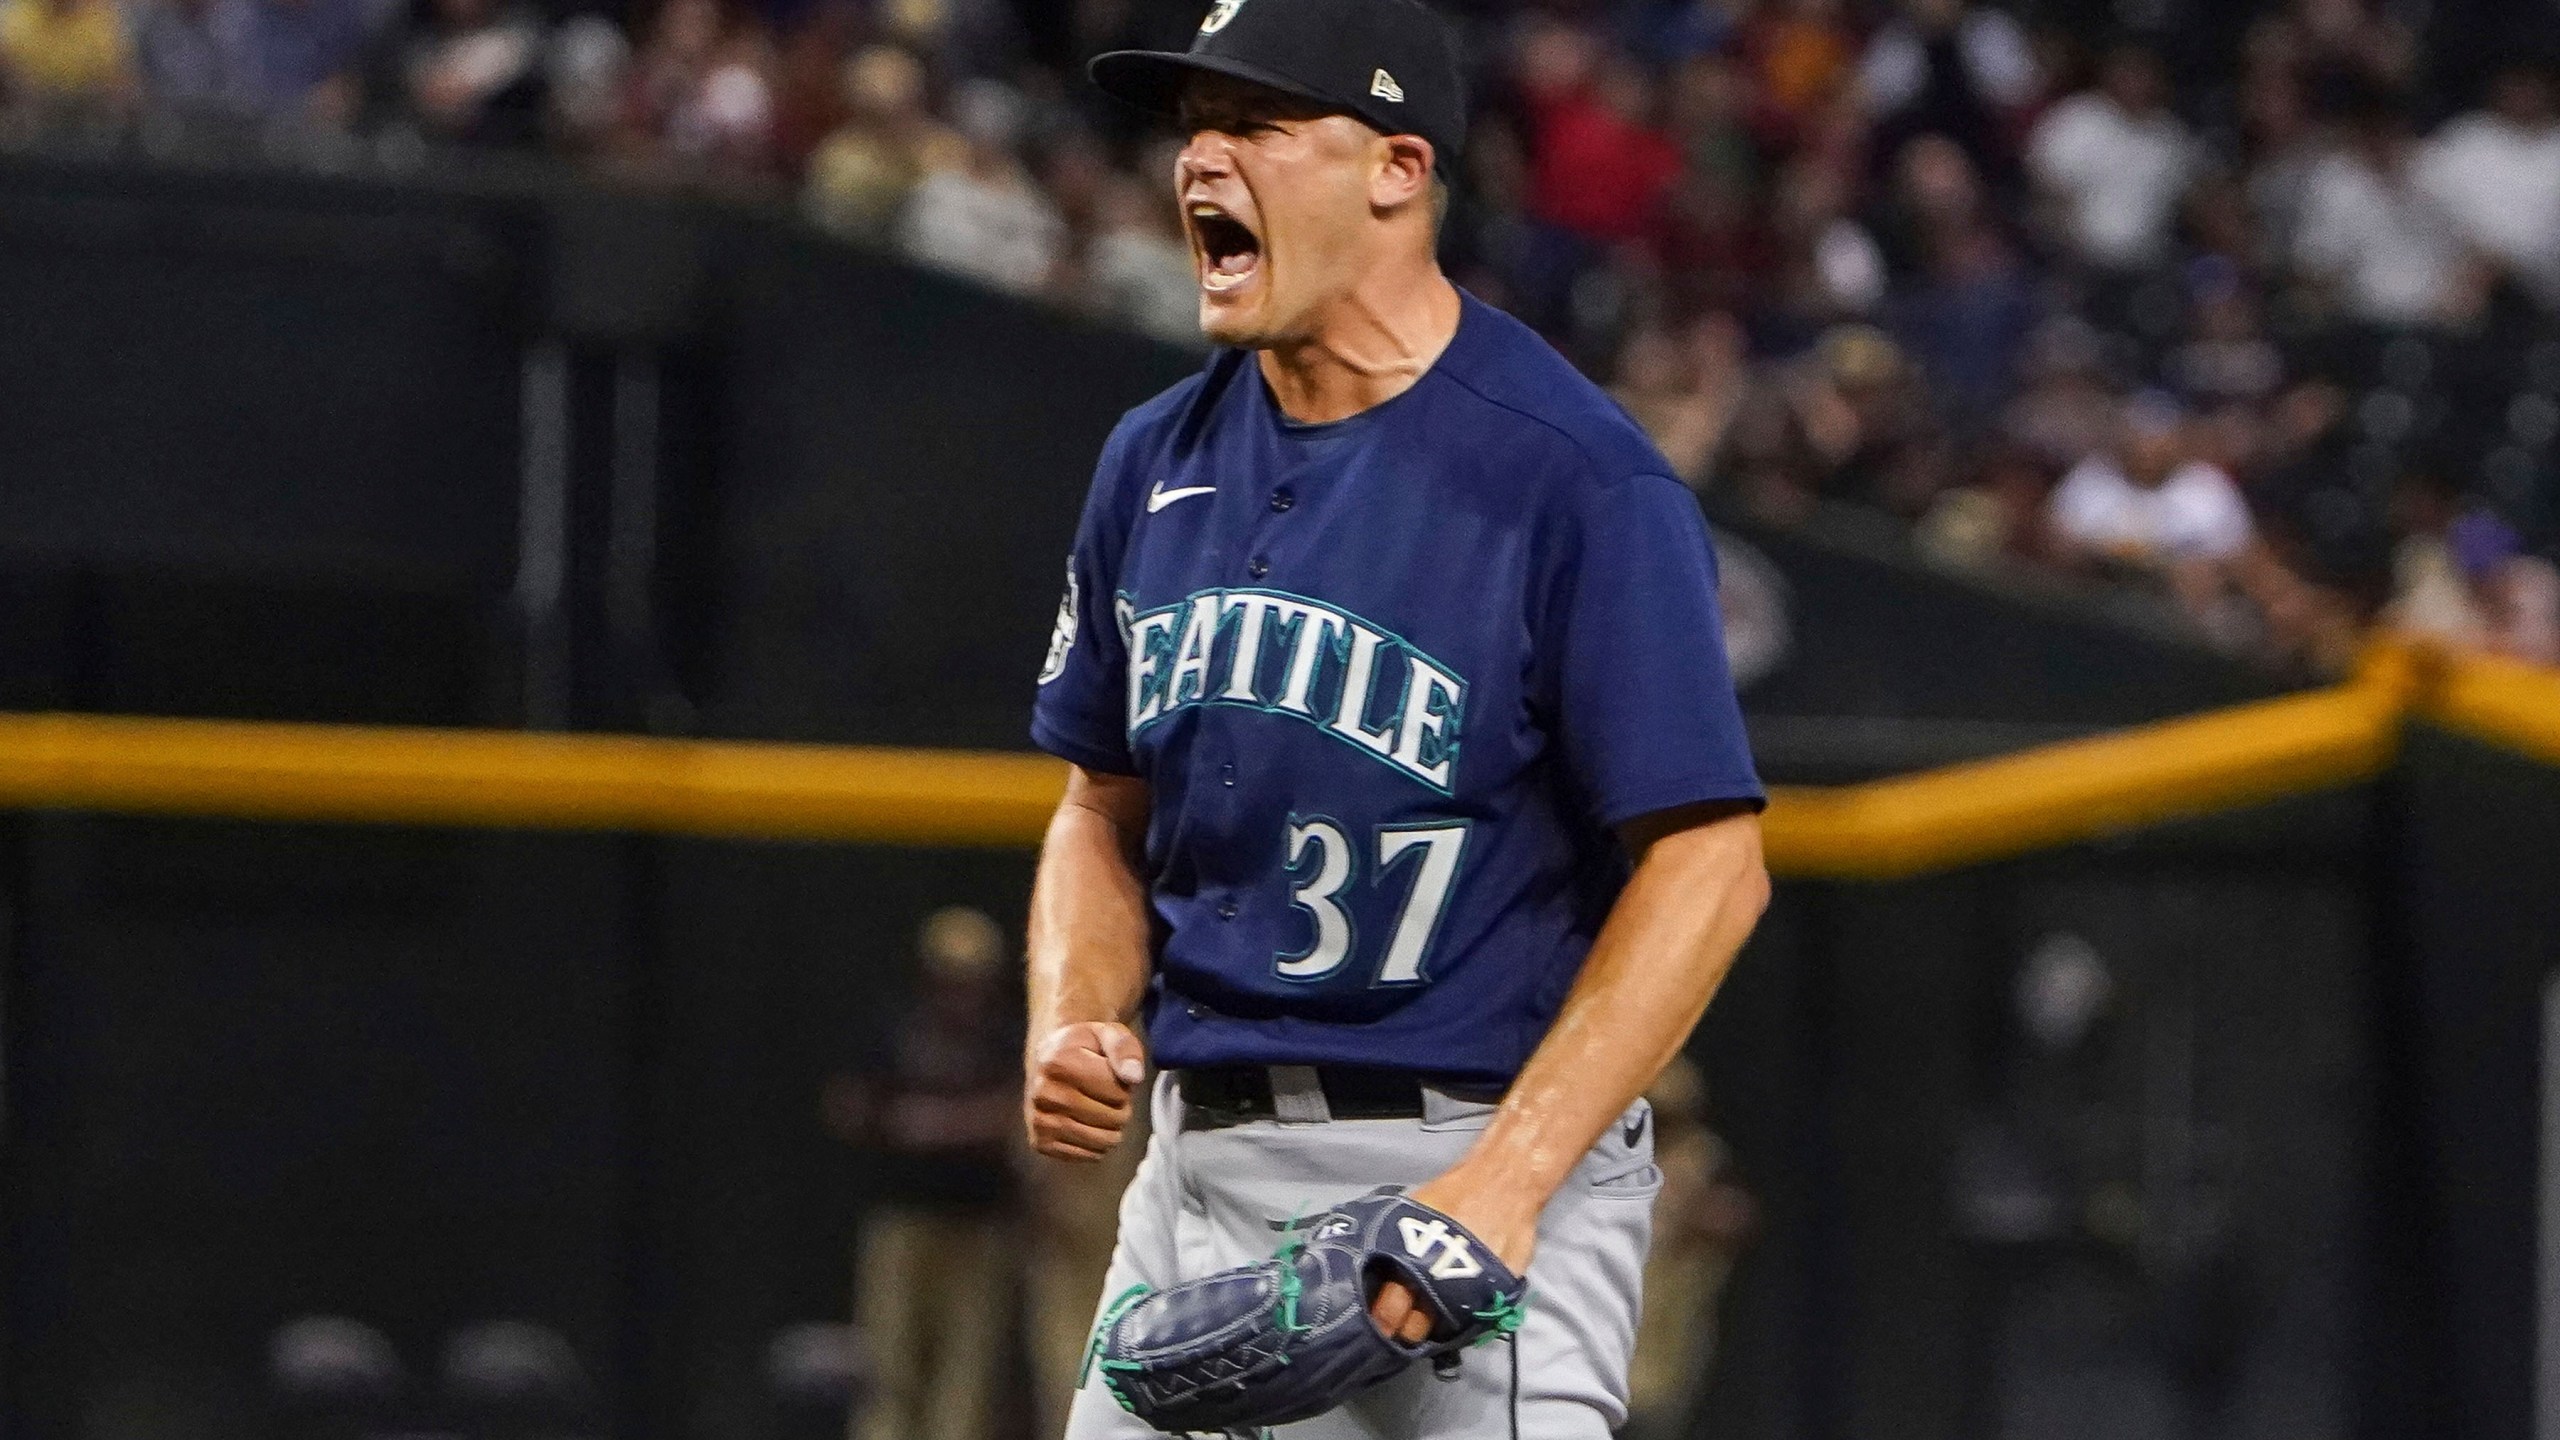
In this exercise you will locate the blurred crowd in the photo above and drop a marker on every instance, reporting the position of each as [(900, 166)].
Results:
[(2254, 310), (2253, 342)]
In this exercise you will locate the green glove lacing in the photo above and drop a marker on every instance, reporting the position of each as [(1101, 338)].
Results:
[(1101, 1336), (1291, 1284), (1503, 1315)]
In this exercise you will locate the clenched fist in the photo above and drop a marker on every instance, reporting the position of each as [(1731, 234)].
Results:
[(1077, 1088)]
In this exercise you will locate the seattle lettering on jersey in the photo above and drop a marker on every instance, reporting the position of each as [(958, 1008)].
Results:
[(1288, 655)]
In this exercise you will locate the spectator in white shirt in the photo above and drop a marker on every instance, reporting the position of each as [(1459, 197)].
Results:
[(2147, 502), (1140, 263), (2114, 161), (2379, 243), (2150, 508), (2496, 173), (986, 219)]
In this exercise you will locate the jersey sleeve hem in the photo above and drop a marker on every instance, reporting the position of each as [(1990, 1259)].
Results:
[(1643, 800), (1076, 750)]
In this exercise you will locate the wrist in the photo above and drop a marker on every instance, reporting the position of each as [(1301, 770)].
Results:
[(1511, 1172), (1078, 998), (1504, 1182), (1492, 1201), (1073, 1018)]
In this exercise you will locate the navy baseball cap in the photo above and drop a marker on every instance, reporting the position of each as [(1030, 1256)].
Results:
[(1390, 63)]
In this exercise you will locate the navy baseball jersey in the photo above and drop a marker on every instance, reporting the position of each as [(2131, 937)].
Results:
[(1392, 680)]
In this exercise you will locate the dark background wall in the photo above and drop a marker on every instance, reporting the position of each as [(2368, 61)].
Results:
[(2481, 888), (269, 441), (333, 450)]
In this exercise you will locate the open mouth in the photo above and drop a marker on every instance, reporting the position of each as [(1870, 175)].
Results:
[(1230, 252)]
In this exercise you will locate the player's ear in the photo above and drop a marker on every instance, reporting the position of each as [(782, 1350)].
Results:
[(1403, 172)]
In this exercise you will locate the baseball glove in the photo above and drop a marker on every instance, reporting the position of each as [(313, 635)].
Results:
[(1291, 1337)]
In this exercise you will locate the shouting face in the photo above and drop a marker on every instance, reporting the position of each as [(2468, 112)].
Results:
[(1277, 197)]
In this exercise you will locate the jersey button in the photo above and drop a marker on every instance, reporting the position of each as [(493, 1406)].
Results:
[(1257, 567), (1282, 499), (1226, 909), (1227, 774)]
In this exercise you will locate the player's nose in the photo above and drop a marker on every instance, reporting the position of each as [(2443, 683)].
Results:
[(1209, 155)]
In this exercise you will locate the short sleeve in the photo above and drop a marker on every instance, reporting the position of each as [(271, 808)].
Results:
[(1078, 712), (1644, 696), (2213, 521), (2332, 227), (2082, 507), (2057, 150)]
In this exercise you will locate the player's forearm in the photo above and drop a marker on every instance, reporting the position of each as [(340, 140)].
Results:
[(1695, 896), (1089, 928)]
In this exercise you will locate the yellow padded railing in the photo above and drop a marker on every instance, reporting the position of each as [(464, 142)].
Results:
[(2082, 789), (536, 781), (1962, 814), (2501, 701)]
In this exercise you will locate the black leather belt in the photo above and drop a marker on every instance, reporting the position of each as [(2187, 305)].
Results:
[(1215, 1095)]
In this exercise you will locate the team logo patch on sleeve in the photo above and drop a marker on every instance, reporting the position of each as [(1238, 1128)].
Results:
[(1062, 637)]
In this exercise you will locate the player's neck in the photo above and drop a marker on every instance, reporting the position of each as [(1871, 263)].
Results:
[(1367, 347)]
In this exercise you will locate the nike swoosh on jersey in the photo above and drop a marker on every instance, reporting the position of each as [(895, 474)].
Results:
[(1160, 497)]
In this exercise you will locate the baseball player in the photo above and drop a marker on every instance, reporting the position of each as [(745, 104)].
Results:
[(1410, 820)]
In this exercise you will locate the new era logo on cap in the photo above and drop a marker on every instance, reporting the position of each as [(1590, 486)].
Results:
[(1384, 86), (1219, 15)]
